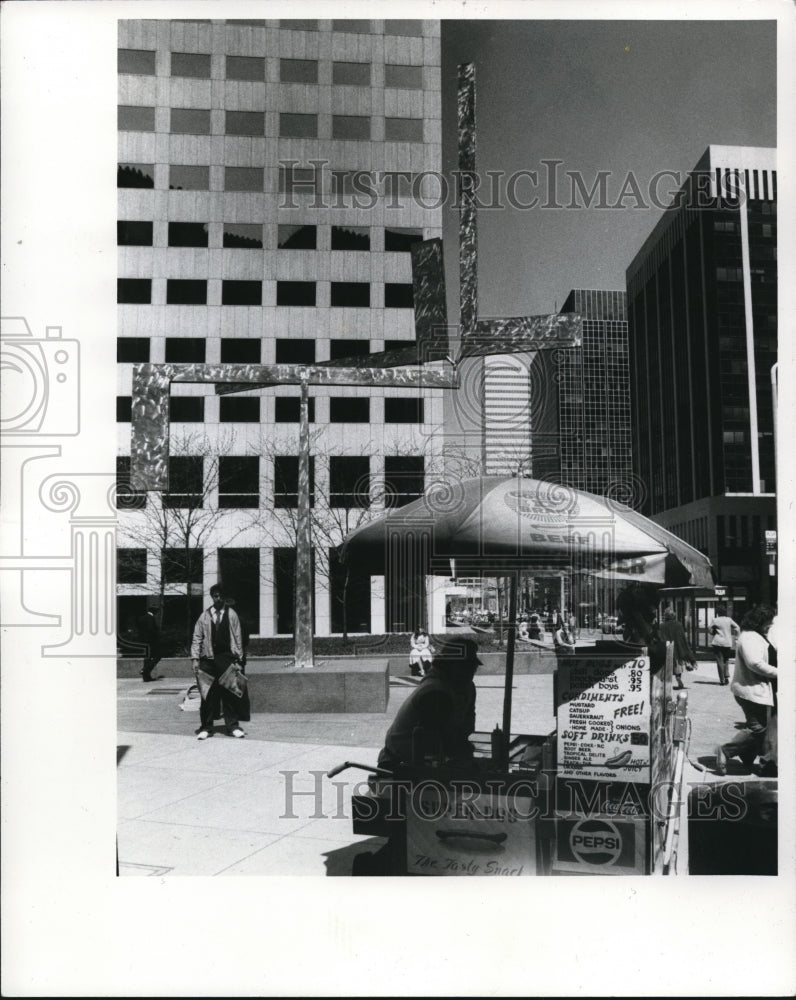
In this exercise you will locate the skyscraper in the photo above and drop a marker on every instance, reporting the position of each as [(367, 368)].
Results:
[(581, 402), (268, 178), (702, 308)]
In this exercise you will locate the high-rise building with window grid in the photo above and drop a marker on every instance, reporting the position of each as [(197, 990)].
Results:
[(702, 309), (581, 401), (270, 186)]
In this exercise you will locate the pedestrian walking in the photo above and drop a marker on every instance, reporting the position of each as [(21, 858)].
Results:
[(149, 637), (670, 630), (216, 650), (752, 688), (724, 631), (244, 708)]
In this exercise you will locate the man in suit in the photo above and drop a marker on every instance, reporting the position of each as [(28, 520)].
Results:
[(149, 636), (217, 644)]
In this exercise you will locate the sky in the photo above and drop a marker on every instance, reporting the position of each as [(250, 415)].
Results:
[(621, 96)]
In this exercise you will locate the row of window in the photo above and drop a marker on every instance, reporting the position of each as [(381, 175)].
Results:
[(248, 350), (196, 121), (237, 478), (232, 409), (249, 236), (327, 188), (142, 62), (193, 292)]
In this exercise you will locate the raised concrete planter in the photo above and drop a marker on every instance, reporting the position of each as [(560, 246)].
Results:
[(334, 685)]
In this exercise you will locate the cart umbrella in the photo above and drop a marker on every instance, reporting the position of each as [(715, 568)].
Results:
[(500, 525)]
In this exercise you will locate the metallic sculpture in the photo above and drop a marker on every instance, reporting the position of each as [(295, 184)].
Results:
[(408, 367)]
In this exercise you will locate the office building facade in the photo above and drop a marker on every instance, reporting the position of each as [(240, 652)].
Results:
[(702, 310), (269, 191)]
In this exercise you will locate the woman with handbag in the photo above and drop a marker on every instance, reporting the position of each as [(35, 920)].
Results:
[(672, 631)]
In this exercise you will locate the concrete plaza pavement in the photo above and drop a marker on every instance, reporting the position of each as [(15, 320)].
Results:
[(262, 805)]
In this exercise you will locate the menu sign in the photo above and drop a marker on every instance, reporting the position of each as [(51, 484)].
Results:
[(603, 717)]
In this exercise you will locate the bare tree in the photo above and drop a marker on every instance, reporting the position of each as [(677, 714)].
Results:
[(186, 517)]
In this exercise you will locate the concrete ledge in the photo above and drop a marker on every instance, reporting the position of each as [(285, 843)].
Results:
[(356, 685)]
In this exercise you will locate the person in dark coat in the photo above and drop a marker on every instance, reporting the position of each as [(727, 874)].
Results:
[(670, 630), (149, 636), (244, 708), (216, 645), (439, 715)]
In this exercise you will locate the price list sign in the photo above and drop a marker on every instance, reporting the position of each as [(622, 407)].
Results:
[(604, 719)]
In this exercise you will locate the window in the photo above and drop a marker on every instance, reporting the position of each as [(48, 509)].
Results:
[(292, 126), (138, 61), (131, 118), (288, 409), (239, 571), (240, 351), (350, 127), (285, 589), (295, 180), (135, 291), (245, 68), (298, 70), (180, 566), (349, 481), (401, 240), (126, 497), (403, 479), (190, 121), (243, 178), (239, 410), (360, 182), (403, 129), (403, 411), (187, 234), (135, 175), (192, 64), (189, 178), (185, 349), (291, 237), (133, 234), (295, 351), (124, 409), (398, 296), (245, 123), (729, 274), (399, 345), (243, 235), (350, 238), (350, 293), (403, 77), (132, 350), (286, 481), (241, 293), (349, 595), (131, 565), (354, 74), (404, 27), (187, 409), (348, 348), (299, 24), (352, 26), (349, 410), (186, 487), (186, 292), (238, 481), (295, 293)]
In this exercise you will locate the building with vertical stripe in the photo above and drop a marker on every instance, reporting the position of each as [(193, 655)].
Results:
[(702, 312), (266, 208)]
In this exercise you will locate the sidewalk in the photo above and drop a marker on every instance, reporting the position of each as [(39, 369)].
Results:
[(262, 806)]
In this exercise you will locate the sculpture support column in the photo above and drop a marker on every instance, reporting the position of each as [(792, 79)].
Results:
[(304, 582)]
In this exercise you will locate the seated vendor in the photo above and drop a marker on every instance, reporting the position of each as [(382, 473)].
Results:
[(440, 712)]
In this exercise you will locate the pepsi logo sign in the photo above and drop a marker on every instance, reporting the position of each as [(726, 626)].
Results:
[(595, 842)]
